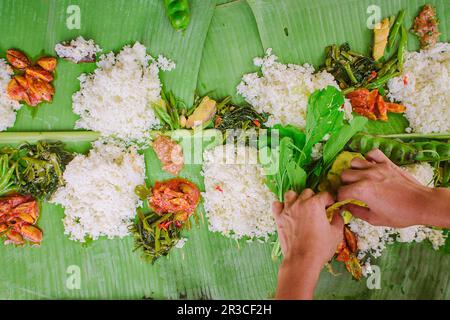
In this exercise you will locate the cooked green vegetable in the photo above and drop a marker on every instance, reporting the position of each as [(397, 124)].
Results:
[(179, 13), (231, 116), (395, 29), (154, 241), (402, 48), (381, 81), (167, 110), (7, 182), (349, 68), (353, 70), (38, 168), (400, 152)]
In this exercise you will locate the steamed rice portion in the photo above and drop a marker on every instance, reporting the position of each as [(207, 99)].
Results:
[(237, 201), (373, 240), (116, 99), (8, 107), (283, 90), (98, 196), (424, 89)]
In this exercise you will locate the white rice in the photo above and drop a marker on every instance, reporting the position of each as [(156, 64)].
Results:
[(237, 201), (8, 107), (283, 90), (98, 196), (372, 240), (78, 50), (116, 99), (424, 89)]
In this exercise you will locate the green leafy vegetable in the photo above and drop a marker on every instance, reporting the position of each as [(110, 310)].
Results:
[(337, 141), (38, 168), (292, 132), (350, 69), (286, 168), (323, 118), (292, 157), (230, 116), (154, 240)]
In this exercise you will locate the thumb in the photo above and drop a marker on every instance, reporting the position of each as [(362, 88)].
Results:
[(337, 225)]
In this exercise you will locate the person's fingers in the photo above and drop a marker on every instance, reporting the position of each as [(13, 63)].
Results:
[(360, 212), (289, 198), (357, 190), (358, 163), (337, 224), (277, 208), (351, 176), (406, 175), (325, 198), (377, 156), (305, 195)]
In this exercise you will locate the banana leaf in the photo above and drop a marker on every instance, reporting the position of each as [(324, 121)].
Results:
[(36, 26), (211, 56)]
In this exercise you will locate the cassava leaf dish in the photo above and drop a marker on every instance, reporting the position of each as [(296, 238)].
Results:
[(212, 54)]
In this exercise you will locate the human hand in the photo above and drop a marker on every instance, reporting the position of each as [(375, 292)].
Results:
[(395, 198), (304, 230)]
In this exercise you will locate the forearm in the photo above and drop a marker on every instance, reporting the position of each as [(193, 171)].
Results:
[(297, 279), (438, 208)]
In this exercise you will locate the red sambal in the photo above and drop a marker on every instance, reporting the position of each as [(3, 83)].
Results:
[(178, 196)]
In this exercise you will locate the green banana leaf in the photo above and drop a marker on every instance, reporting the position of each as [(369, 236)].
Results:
[(211, 56), (36, 26)]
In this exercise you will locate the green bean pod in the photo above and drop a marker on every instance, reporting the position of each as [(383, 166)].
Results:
[(401, 152), (395, 28), (402, 48), (179, 13), (432, 151)]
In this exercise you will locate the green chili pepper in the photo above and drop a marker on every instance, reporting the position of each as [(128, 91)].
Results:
[(395, 28), (401, 152), (178, 12)]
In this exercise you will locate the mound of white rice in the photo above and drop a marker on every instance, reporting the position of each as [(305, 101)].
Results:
[(98, 196), (283, 90), (78, 50), (8, 106), (372, 240), (116, 99), (237, 201), (424, 89)]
